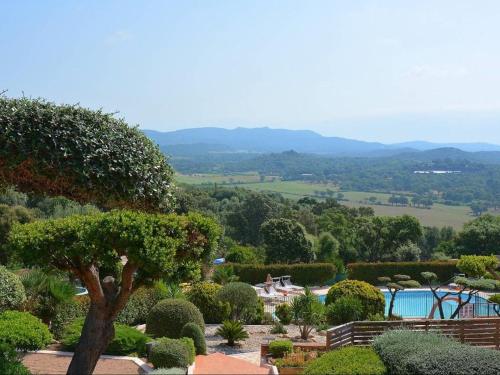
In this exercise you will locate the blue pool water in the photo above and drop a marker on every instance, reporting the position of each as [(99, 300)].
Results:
[(419, 303)]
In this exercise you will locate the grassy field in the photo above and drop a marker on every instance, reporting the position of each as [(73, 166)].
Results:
[(439, 215)]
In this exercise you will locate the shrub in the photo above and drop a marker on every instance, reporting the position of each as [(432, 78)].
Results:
[(169, 371), (204, 296), (194, 332), (188, 341), (370, 272), (167, 318), (23, 331), (242, 254), (224, 275), (419, 353), (301, 273), (9, 362), (344, 310), (284, 313), (350, 360), (371, 298), (67, 313), (278, 329), (140, 304), (268, 318), (127, 340), (169, 353), (279, 348), (242, 299), (12, 294), (232, 331)]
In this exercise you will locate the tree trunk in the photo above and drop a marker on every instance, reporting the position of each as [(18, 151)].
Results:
[(391, 304), (97, 333)]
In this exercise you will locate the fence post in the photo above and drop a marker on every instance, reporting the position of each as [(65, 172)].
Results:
[(497, 334), (328, 339)]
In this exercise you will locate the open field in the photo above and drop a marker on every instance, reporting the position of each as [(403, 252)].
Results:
[(439, 215)]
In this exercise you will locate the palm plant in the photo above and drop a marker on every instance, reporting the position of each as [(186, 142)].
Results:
[(224, 275), (232, 331), (307, 312), (45, 291)]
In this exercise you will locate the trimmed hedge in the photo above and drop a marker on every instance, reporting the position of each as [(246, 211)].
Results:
[(12, 293), (369, 272), (127, 340), (243, 301), (204, 296), (371, 298), (23, 331), (139, 305), (194, 332), (279, 348), (169, 316), (419, 353), (301, 273), (168, 353), (351, 360)]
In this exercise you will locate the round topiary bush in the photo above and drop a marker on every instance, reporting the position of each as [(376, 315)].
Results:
[(23, 331), (204, 296), (169, 353), (193, 331), (168, 317), (12, 293), (84, 155), (344, 310), (242, 299), (127, 340), (350, 360), (279, 348), (371, 298), (284, 313)]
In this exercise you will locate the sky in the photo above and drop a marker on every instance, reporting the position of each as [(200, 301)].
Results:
[(383, 70)]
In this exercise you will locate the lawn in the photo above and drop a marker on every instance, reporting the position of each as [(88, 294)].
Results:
[(439, 215)]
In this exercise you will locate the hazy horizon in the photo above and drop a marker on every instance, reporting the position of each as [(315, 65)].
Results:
[(375, 71)]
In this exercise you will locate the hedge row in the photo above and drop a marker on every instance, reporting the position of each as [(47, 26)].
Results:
[(369, 272), (302, 273)]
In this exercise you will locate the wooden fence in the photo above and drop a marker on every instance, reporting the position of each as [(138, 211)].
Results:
[(480, 332)]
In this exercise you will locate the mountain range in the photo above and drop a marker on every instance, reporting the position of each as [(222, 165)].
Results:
[(267, 140)]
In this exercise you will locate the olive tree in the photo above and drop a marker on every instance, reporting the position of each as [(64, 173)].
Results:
[(113, 254), (84, 155)]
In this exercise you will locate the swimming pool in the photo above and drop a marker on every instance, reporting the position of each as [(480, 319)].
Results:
[(419, 303)]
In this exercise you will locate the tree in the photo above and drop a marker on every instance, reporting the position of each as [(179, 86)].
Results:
[(307, 312), (476, 266), (9, 216), (88, 156), (480, 236), (285, 242), (408, 252), (327, 248), (94, 248), (401, 282)]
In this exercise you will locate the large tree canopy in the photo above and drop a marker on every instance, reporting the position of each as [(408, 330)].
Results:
[(84, 155), (94, 247)]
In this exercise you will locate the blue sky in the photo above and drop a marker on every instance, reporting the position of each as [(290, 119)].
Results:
[(375, 70)]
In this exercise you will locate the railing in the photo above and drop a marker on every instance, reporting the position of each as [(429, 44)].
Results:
[(479, 332), (271, 303)]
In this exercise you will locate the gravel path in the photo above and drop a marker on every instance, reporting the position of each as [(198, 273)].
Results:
[(258, 334)]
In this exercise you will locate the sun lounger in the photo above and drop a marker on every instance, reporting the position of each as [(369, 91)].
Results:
[(286, 283)]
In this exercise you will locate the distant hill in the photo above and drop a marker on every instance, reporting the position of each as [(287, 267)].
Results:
[(267, 140)]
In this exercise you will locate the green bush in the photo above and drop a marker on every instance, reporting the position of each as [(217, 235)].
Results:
[(301, 273), (194, 332), (140, 304), (344, 310), (242, 254), (9, 362), (284, 313), (23, 331), (232, 331), (66, 313), (81, 154), (188, 341), (278, 348), (350, 360), (169, 371), (278, 329), (372, 299), (167, 318), (127, 340), (242, 299), (369, 272), (421, 353), (167, 353), (204, 296), (12, 294)]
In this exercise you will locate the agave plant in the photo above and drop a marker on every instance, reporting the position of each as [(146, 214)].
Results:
[(232, 331)]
